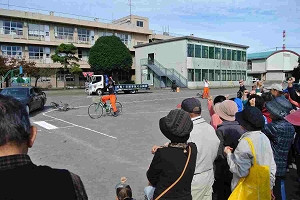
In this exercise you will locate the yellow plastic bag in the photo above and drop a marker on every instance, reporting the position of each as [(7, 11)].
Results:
[(255, 186)]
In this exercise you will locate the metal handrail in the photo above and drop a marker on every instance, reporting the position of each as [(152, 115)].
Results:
[(167, 71)]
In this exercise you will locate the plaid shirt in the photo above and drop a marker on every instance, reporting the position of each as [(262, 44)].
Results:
[(14, 161), (281, 135)]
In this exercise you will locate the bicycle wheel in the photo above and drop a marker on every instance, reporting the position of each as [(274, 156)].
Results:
[(95, 110), (119, 108)]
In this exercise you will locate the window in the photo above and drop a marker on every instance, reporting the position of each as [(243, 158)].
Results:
[(229, 54), (211, 52), (223, 75), (217, 53), (36, 53), (12, 51), (140, 23), (228, 78), (198, 51), (83, 54), (125, 38), (239, 56), (14, 28), (244, 75), (233, 75), (211, 75), (83, 35), (249, 66), (36, 30), (148, 76), (190, 75), (190, 50), (64, 33), (223, 54), (234, 55), (197, 74), (204, 74), (204, 52), (244, 56), (238, 75), (217, 75), (105, 34)]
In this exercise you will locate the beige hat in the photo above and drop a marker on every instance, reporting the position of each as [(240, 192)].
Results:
[(226, 110), (275, 86)]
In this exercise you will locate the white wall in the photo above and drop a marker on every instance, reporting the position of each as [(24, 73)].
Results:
[(275, 76), (258, 65), (282, 61), (169, 54)]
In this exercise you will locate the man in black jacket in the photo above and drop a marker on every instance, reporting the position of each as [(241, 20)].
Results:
[(20, 178), (242, 89), (292, 91)]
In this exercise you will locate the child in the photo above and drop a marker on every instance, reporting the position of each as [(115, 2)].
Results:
[(206, 89), (123, 190)]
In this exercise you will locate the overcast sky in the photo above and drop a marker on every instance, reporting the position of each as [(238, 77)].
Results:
[(256, 23)]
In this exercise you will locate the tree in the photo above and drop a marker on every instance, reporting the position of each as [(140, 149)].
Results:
[(108, 54), (65, 55), (296, 72), (43, 72), (75, 70)]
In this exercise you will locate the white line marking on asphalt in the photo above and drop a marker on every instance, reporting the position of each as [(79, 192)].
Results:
[(66, 127), (45, 125), (45, 114)]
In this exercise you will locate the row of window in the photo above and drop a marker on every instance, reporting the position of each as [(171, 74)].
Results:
[(201, 51), (215, 75), (36, 52)]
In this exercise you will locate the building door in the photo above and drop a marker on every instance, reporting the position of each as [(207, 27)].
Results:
[(151, 58), (47, 33)]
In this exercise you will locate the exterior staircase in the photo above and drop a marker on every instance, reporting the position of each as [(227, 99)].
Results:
[(161, 71)]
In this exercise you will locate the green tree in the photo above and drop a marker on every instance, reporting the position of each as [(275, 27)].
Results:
[(65, 55), (109, 54), (296, 72)]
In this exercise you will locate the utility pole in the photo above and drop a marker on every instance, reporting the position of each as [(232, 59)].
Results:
[(130, 5)]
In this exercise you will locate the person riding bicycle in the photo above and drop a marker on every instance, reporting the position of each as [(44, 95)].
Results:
[(111, 97), (174, 86)]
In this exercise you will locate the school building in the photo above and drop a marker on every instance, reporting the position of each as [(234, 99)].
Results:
[(272, 65), (189, 60), (35, 36)]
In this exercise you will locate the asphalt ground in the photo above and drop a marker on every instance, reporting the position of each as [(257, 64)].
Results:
[(103, 150)]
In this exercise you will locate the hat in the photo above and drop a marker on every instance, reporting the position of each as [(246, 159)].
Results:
[(176, 126), (251, 118), (191, 105), (275, 86), (294, 118), (279, 107), (226, 110)]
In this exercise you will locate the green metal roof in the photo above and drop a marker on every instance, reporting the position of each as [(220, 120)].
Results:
[(259, 55)]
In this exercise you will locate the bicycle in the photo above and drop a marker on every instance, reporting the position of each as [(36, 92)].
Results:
[(60, 107), (95, 110)]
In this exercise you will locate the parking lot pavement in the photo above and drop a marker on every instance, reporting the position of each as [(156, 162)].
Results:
[(103, 150)]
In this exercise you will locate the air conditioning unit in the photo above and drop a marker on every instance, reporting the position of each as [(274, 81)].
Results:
[(26, 48)]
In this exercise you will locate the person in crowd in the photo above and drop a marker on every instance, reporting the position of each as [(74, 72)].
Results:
[(215, 119), (240, 162), (20, 177), (207, 142), (281, 135), (239, 103), (169, 162), (245, 97), (258, 102), (123, 190), (267, 96), (111, 97), (294, 119), (276, 90), (293, 94), (206, 89), (174, 86), (241, 90), (229, 133)]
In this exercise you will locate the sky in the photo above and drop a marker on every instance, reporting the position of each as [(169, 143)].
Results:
[(255, 23)]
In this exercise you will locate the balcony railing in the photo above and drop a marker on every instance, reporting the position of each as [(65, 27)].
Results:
[(36, 37), (66, 38)]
